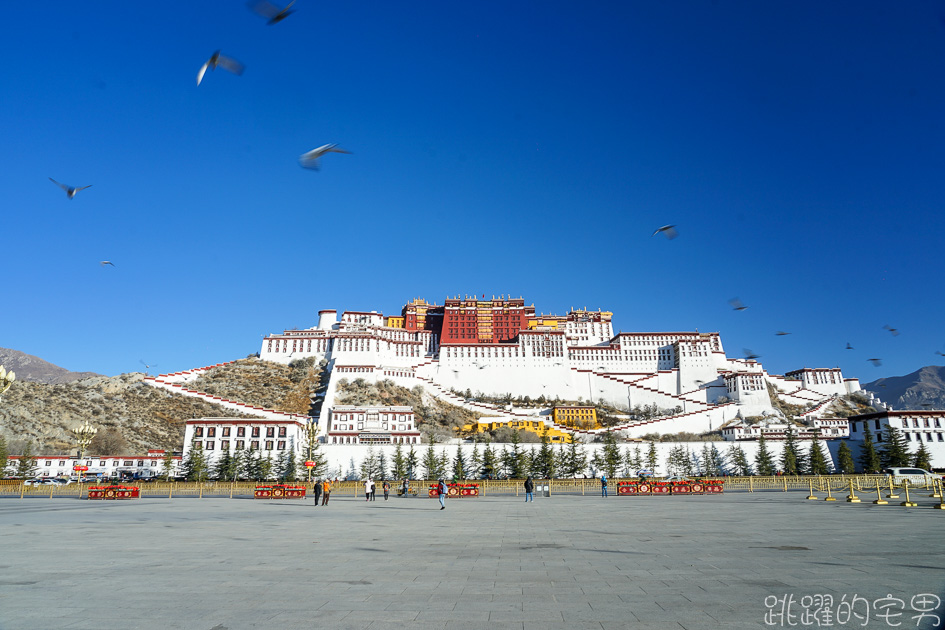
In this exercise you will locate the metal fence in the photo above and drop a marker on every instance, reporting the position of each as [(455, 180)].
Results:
[(514, 487)]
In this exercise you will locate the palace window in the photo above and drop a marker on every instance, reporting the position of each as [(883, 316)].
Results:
[(281, 431), (254, 445), (241, 432), (281, 445), (240, 444), (255, 431), (212, 432), (268, 445), (209, 446), (225, 445), (270, 432), (226, 431), (198, 432)]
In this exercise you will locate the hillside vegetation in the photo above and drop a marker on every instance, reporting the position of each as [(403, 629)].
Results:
[(264, 384), (134, 415), (434, 417)]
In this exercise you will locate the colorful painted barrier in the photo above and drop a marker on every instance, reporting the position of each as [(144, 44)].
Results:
[(690, 487), (456, 490), (279, 491), (114, 492)]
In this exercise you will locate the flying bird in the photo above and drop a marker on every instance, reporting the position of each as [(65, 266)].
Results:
[(216, 59), (749, 355), (876, 362), (669, 231), (148, 367), (107, 262), (893, 331), (310, 159), (781, 333), (70, 190), (849, 347), (270, 11), (940, 353), (737, 304)]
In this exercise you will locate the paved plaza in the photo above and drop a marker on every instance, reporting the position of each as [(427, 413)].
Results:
[(561, 562)]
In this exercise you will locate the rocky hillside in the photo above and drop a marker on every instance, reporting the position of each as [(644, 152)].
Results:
[(30, 368), (264, 384), (923, 389), (130, 413)]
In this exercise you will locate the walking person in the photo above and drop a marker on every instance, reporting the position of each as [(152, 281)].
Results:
[(386, 488), (326, 491), (405, 488), (441, 490), (317, 490), (373, 489), (367, 489), (529, 489), (603, 486)]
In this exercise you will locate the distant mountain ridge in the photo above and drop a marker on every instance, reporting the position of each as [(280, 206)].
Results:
[(36, 370), (922, 389)]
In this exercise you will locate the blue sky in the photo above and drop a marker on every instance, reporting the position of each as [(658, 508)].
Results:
[(502, 148)]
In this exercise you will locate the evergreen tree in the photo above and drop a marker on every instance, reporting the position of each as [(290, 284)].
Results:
[(790, 456), (382, 466), (168, 465), (895, 453), (430, 462), (575, 458), (845, 459), (265, 466), (634, 461), (442, 465), (531, 463), (459, 464), (475, 462), (290, 469), (26, 466), (369, 464), (923, 459), (513, 459), (411, 463), (399, 463), (546, 466), (651, 457), (489, 463), (609, 460), (313, 453), (740, 465), (869, 458), (195, 464), (817, 461), (4, 455), (677, 460), (716, 461), (221, 468), (764, 461), (280, 466)]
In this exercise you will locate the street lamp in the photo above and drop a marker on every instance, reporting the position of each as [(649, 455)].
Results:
[(83, 435), (6, 379), (311, 434)]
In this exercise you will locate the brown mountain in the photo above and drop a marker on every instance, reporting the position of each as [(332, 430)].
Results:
[(922, 389), (34, 369)]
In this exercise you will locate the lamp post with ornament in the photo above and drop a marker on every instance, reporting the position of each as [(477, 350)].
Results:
[(311, 437), (6, 380), (83, 435)]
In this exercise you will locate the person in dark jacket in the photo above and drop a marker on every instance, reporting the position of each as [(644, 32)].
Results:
[(317, 490), (529, 489), (603, 486)]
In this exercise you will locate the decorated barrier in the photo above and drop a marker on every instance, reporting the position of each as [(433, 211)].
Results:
[(279, 491), (114, 492), (456, 490), (688, 487)]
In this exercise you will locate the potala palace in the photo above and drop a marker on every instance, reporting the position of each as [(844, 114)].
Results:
[(500, 346)]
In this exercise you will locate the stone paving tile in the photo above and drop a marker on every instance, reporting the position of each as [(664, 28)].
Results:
[(196, 564)]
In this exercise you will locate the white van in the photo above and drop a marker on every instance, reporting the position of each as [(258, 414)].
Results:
[(915, 476)]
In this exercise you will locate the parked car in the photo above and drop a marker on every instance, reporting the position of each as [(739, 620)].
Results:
[(915, 476)]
